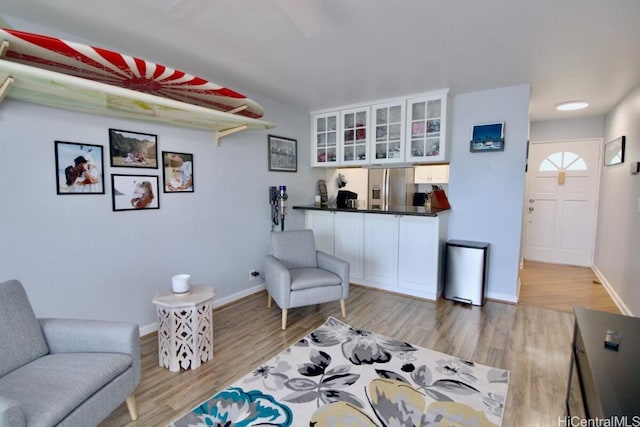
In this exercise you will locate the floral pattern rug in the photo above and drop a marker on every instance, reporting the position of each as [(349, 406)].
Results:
[(339, 375)]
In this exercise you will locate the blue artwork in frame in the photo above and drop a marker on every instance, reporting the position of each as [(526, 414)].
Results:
[(487, 137)]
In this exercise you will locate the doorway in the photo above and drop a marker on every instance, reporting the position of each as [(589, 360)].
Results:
[(560, 206)]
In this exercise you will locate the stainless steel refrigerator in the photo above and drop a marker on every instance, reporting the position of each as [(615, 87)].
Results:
[(391, 187)]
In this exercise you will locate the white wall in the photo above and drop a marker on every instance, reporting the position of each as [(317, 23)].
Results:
[(78, 258), (567, 129), (617, 254), (486, 190)]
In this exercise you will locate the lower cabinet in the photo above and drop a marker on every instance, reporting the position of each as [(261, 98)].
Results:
[(398, 253)]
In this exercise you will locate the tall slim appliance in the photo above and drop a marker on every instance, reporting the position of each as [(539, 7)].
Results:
[(391, 187)]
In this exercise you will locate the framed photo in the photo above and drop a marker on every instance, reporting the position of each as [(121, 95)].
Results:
[(487, 137), (614, 151), (133, 149), (177, 170), (134, 192), (79, 168), (283, 154)]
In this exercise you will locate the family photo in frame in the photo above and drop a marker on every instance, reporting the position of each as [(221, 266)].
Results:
[(133, 149), (177, 169), (79, 168), (134, 192)]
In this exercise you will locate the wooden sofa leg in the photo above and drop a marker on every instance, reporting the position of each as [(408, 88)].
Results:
[(284, 319), (343, 307), (132, 407), (268, 300)]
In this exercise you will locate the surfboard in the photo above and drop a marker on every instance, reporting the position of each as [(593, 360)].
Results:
[(45, 87), (117, 69)]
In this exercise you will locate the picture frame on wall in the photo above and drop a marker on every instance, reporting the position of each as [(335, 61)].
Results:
[(134, 192), (177, 170), (283, 154), (614, 151), (79, 168), (133, 149), (487, 137)]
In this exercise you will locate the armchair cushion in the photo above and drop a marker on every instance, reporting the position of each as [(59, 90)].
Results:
[(22, 339), (11, 414), (295, 249), (306, 278)]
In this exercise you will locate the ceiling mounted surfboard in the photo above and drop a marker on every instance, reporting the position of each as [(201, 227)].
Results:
[(117, 69)]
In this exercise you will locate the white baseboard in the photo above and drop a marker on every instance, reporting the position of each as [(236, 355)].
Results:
[(152, 327), (614, 296), (500, 297)]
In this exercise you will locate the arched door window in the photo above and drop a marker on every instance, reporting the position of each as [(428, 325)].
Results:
[(563, 160)]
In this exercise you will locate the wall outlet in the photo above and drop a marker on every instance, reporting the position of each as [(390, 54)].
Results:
[(253, 274)]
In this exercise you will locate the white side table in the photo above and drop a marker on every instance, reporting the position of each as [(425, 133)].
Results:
[(185, 328)]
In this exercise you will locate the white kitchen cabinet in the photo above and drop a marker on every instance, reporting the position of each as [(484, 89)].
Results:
[(426, 128), (321, 222), (431, 174), (354, 136), (387, 132), (325, 132), (419, 247), (348, 242), (381, 250)]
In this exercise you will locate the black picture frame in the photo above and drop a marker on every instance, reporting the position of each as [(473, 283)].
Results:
[(177, 172), (614, 151), (79, 168), (129, 149), (283, 154), (487, 137), (134, 192)]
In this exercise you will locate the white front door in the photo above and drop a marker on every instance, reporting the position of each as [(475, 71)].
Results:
[(560, 208)]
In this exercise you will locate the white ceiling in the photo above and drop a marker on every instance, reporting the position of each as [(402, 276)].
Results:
[(324, 53)]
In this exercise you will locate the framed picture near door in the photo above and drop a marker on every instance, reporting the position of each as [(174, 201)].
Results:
[(614, 151)]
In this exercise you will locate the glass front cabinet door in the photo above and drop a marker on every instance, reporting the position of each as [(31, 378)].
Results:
[(426, 129), (324, 137), (387, 130), (354, 144)]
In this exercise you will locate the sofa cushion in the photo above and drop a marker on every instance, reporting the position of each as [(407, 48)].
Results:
[(20, 334), (60, 383), (305, 278)]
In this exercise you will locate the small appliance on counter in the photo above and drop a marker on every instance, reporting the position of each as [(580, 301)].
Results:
[(343, 200)]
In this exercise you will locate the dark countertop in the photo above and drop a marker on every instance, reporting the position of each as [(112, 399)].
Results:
[(392, 210)]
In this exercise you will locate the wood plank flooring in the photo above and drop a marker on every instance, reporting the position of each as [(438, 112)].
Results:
[(532, 342), (561, 287)]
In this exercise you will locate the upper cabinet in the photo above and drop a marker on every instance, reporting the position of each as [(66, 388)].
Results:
[(354, 143), (410, 129), (426, 129), (324, 134), (387, 128), (431, 174)]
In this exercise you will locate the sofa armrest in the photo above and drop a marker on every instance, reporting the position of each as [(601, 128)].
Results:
[(93, 336), (337, 266), (11, 413), (277, 280)]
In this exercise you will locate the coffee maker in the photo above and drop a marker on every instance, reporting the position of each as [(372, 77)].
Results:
[(343, 200)]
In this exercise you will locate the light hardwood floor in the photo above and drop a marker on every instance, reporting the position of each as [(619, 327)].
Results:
[(561, 287), (532, 342)]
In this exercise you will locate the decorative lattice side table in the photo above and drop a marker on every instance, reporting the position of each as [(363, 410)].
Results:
[(185, 328)]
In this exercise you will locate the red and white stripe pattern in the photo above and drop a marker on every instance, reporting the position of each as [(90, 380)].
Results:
[(107, 66)]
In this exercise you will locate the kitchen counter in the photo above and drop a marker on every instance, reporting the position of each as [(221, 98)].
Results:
[(392, 210)]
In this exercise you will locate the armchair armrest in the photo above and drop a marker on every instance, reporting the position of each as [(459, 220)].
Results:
[(337, 266), (11, 413), (93, 336), (278, 280)]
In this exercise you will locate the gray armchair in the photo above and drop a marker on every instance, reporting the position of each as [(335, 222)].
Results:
[(296, 274), (62, 372)]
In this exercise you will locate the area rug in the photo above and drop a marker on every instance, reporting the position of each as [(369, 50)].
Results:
[(339, 375)]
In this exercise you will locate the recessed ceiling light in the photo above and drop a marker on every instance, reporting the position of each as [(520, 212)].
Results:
[(572, 105)]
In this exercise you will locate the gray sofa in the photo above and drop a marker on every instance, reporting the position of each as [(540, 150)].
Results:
[(62, 372)]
